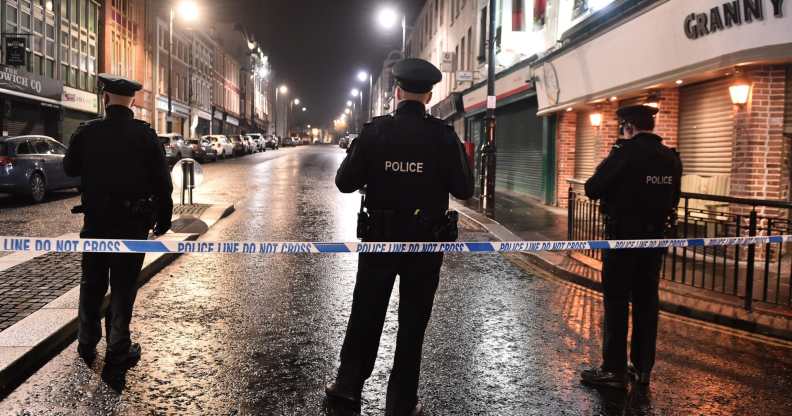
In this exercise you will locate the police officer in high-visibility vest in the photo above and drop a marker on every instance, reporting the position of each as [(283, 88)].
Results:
[(638, 185), (409, 163), (126, 191)]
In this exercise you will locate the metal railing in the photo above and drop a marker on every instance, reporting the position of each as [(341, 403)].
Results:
[(753, 273)]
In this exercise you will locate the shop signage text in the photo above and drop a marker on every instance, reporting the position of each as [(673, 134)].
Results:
[(15, 50), (728, 15), (16, 80), (80, 100)]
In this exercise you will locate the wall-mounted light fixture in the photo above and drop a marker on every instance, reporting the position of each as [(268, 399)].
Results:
[(740, 89), (596, 119)]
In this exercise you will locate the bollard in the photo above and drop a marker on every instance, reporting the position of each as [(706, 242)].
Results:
[(188, 180)]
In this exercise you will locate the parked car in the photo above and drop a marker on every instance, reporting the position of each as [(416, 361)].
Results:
[(272, 142), (250, 145), (285, 142), (176, 148), (239, 146), (296, 141), (343, 143), (305, 140), (33, 166), (203, 150), (221, 144), (258, 139)]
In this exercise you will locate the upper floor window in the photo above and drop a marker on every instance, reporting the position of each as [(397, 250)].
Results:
[(518, 15)]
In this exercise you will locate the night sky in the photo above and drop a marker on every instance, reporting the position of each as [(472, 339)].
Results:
[(317, 47)]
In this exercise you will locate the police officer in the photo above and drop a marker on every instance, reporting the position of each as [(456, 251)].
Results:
[(126, 190), (638, 185), (409, 163)]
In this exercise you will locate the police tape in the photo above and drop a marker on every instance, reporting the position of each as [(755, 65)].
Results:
[(89, 245)]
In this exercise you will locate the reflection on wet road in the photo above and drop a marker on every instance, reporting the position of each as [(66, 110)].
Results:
[(232, 334)]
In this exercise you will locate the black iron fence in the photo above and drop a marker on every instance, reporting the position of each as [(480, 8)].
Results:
[(752, 273)]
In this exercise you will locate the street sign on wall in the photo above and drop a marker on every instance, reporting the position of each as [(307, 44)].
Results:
[(15, 50)]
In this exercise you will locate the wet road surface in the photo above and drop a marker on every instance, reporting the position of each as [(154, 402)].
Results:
[(233, 334)]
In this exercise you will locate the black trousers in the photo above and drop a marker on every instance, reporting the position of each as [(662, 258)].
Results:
[(630, 274), (419, 276), (121, 272)]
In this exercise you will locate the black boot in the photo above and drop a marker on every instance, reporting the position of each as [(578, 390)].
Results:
[(641, 377), (599, 377), (126, 359), (87, 353)]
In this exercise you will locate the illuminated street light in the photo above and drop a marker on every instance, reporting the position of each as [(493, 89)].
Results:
[(296, 101), (363, 76), (188, 11), (355, 92), (283, 89), (347, 111), (349, 103), (304, 109), (388, 18)]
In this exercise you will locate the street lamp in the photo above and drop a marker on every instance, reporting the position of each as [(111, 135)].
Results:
[(362, 77), (304, 109), (349, 103), (188, 11), (296, 101), (282, 90), (347, 111), (387, 18)]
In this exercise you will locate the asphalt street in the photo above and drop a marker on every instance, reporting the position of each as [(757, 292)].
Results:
[(256, 334)]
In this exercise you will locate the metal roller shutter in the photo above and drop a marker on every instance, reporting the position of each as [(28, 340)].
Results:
[(706, 128), (520, 151), (788, 110), (585, 148)]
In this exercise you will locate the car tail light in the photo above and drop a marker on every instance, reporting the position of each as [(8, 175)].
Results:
[(6, 161)]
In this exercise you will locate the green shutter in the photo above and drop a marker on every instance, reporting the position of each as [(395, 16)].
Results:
[(521, 154)]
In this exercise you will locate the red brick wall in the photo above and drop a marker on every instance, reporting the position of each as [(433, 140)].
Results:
[(759, 168), (609, 130), (565, 151), (667, 121)]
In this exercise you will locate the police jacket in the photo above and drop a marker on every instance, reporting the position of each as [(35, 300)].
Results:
[(407, 161), (639, 184), (119, 158)]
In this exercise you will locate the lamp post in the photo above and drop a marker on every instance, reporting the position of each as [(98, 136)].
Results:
[(189, 12), (488, 149), (362, 76), (280, 90), (387, 19)]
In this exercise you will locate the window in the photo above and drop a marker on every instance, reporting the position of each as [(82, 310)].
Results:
[(442, 11), (539, 14), (42, 147), (11, 18), (461, 55), (483, 36), (469, 63), (518, 15), (24, 148)]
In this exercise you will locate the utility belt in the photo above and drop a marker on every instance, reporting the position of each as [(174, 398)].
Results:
[(636, 227), (141, 208), (415, 225)]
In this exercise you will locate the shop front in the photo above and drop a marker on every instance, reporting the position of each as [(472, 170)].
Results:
[(78, 106), (525, 153), (719, 74), (231, 125), (201, 123), (180, 116), (30, 104)]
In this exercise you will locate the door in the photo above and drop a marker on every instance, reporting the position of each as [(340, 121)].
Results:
[(520, 150), (52, 162)]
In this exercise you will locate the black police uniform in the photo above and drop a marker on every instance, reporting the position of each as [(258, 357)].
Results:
[(408, 162), (126, 189), (639, 188)]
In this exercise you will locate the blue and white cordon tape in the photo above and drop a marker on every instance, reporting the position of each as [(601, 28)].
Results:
[(29, 244)]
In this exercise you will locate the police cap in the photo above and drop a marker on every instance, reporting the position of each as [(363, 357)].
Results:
[(416, 75), (635, 113), (119, 85)]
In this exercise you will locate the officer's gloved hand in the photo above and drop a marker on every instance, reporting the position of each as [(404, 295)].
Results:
[(162, 227)]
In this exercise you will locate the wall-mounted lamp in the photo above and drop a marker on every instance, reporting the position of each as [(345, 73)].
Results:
[(596, 119), (740, 89)]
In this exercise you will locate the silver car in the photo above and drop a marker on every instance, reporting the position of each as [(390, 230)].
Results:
[(176, 147), (33, 166)]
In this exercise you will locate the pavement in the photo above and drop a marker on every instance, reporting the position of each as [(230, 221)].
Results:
[(260, 334), (519, 218)]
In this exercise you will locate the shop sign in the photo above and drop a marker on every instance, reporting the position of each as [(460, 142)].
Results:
[(728, 15), (80, 100), (16, 50), (448, 107), (464, 76), (25, 82)]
